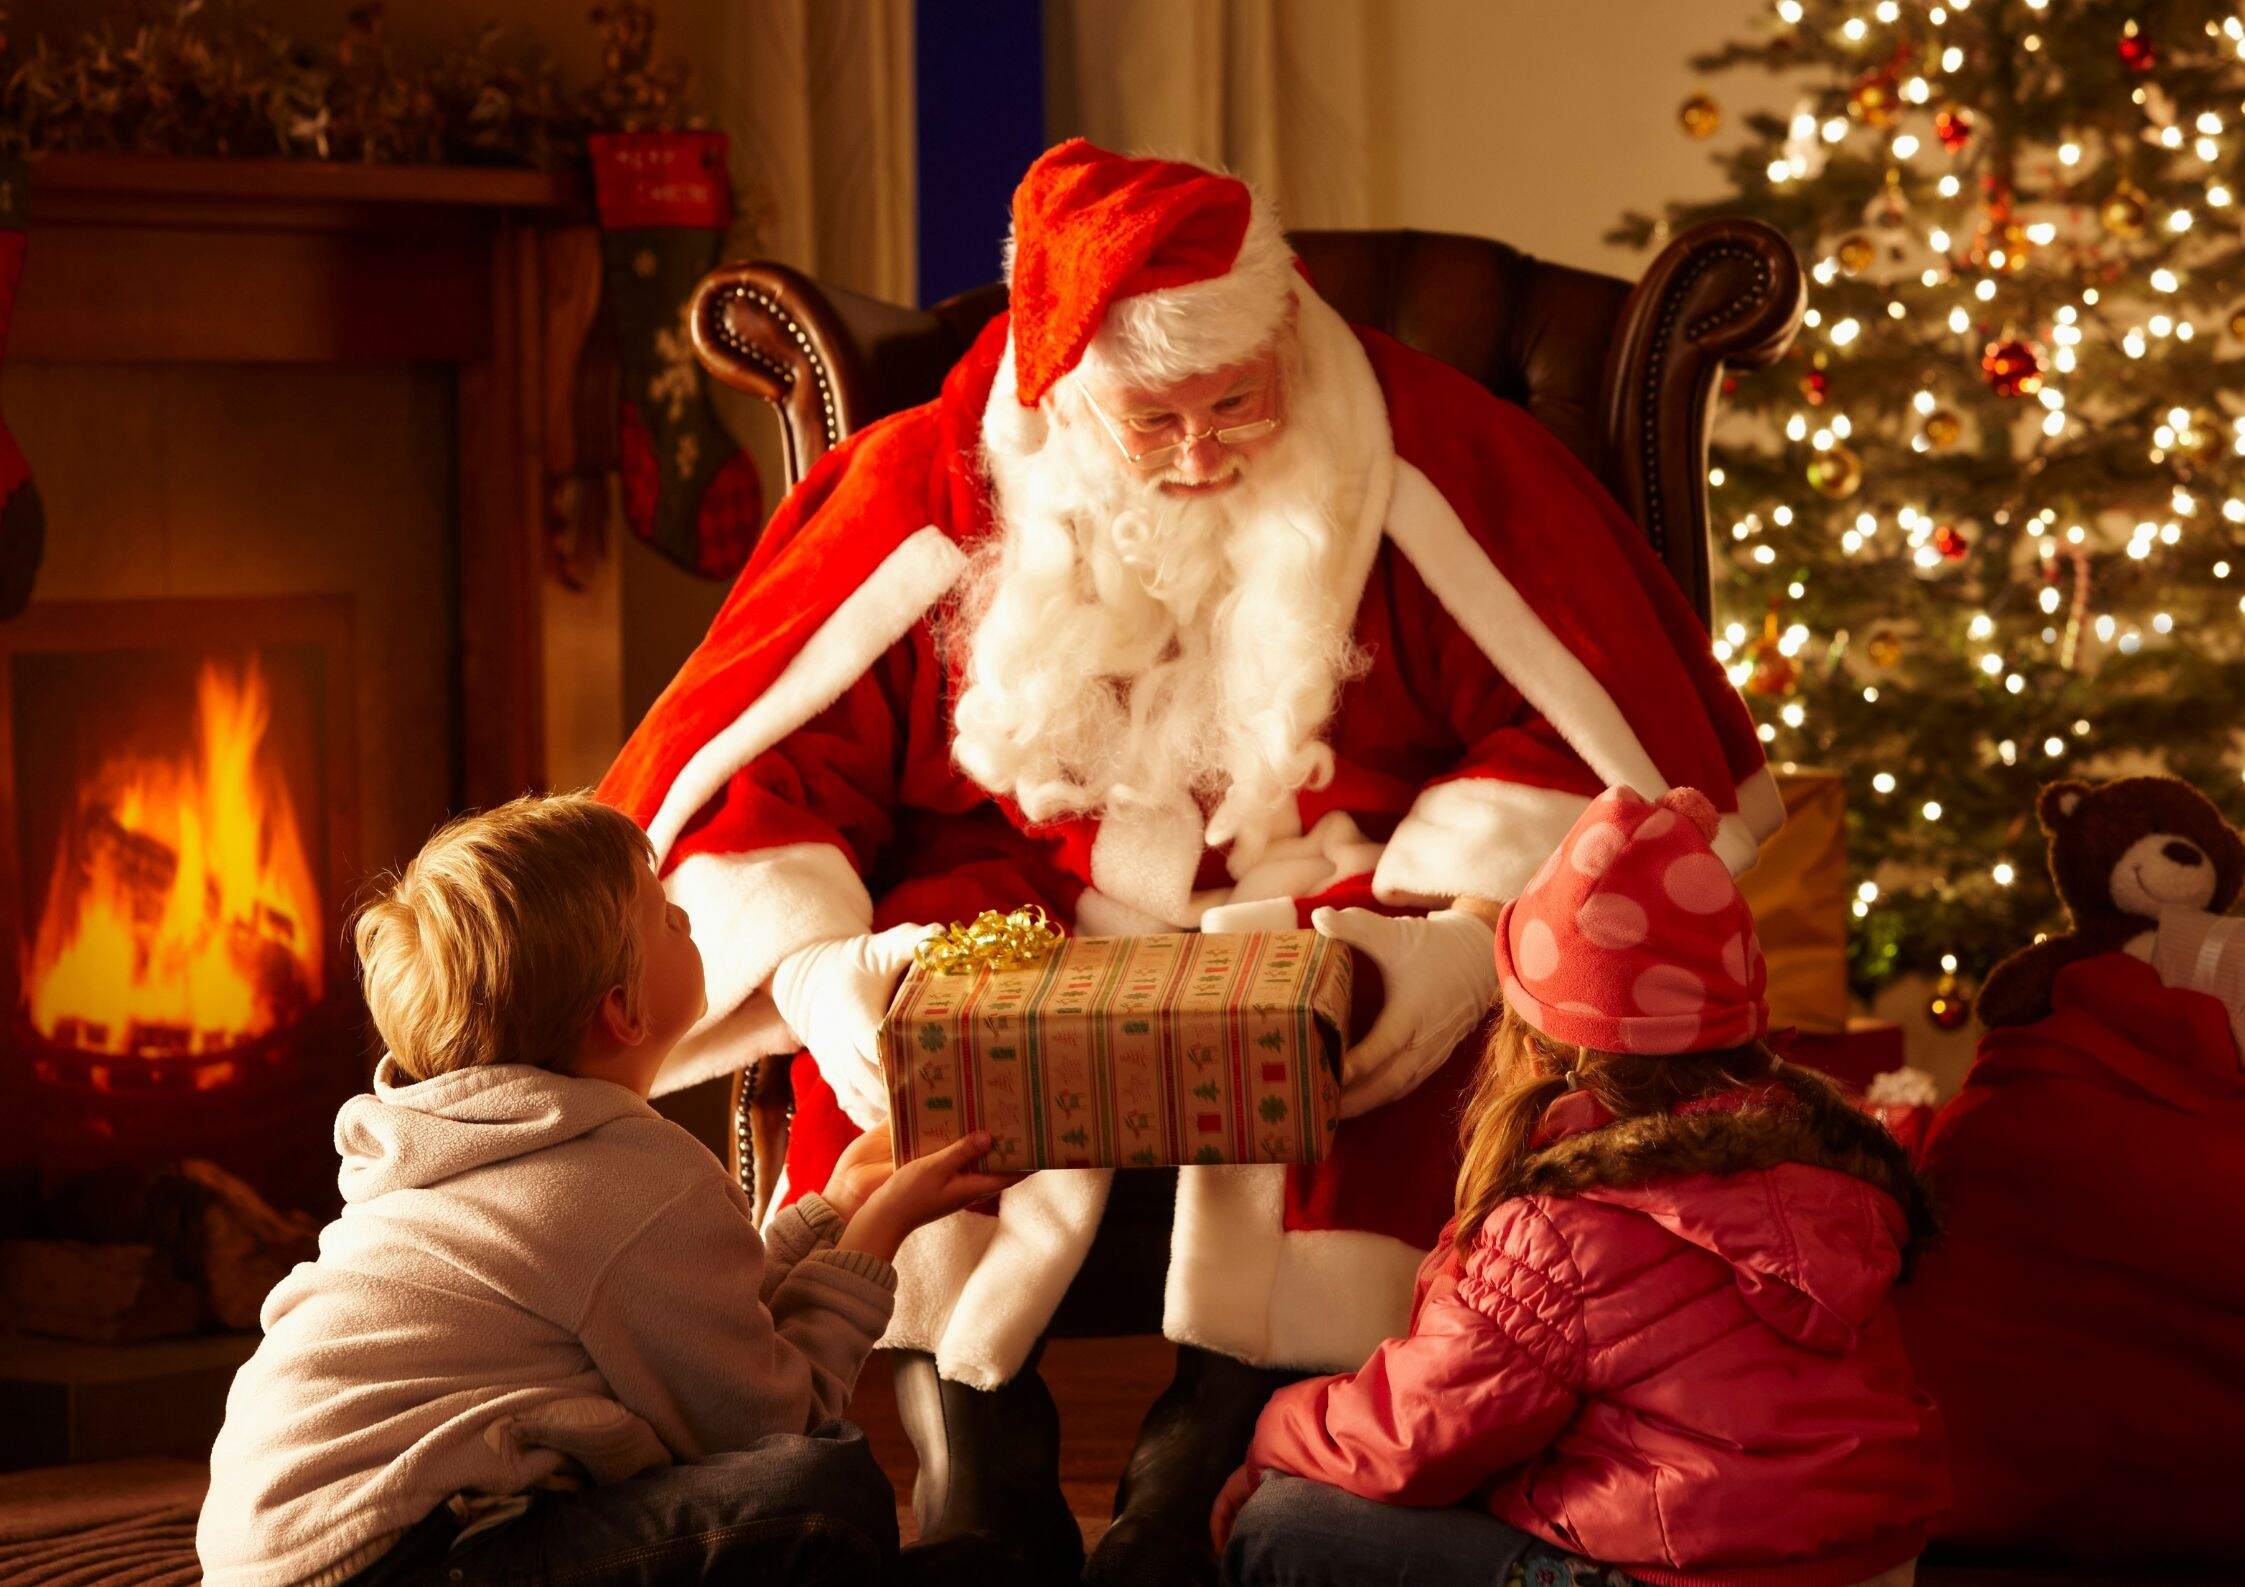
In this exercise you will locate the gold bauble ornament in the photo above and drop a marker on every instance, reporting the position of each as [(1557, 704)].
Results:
[(1700, 116), (2202, 443), (1883, 648), (2016, 246), (1943, 429), (1837, 473), (1856, 252), (1876, 98), (2127, 212), (2237, 322)]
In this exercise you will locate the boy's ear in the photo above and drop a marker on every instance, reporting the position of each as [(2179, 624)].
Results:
[(614, 1016)]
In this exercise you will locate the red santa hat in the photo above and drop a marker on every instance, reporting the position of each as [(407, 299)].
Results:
[(1156, 267), (1633, 937)]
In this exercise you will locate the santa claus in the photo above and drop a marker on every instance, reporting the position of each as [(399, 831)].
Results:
[(1185, 606)]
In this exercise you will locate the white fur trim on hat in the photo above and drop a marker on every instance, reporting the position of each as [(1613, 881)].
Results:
[(1153, 337)]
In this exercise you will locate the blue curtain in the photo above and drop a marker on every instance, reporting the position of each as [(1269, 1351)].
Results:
[(979, 82)]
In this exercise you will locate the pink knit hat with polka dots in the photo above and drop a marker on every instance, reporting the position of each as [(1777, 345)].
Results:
[(1633, 937)]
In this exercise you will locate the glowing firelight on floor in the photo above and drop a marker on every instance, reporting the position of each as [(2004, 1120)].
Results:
[(181, 916)]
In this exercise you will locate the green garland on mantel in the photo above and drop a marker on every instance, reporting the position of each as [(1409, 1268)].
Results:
[(217, 78)]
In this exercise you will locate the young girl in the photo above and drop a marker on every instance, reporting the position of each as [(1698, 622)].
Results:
[(1656, 1343)]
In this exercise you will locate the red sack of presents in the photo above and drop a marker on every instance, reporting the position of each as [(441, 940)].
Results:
[(2082, 1324)]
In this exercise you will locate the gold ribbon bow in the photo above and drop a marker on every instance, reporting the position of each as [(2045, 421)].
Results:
[(991, 940)]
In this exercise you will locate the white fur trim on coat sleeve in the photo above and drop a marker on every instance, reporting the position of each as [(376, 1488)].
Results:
[(1242, 1284), (875, 616), (760, 906), (1549, 676), (979, 1291), (1472, 837)]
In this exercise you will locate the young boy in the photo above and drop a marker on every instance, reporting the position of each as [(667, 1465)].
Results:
[(544, 1338)]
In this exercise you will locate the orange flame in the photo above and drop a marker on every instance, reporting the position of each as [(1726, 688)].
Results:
[(181, 916)]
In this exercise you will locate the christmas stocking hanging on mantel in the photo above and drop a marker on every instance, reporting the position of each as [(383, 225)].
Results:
[(689, 490), (23, 522)]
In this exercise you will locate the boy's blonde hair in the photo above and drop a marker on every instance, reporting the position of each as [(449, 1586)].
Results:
[(500, 938)]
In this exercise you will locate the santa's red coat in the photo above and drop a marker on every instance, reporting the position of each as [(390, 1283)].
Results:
[(1527, 650)]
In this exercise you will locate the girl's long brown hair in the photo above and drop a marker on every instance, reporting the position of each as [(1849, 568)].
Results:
[(1523, 1072)]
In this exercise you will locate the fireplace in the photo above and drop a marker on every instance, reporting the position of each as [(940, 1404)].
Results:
[(176, 838)]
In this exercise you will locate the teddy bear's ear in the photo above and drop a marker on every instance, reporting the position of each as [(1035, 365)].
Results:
[(2057, 801)]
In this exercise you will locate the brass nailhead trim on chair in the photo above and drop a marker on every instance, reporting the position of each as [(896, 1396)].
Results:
[(1671, 307), (744, 1142), (721, 327)]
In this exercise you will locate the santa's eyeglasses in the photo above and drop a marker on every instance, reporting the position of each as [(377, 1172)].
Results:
[(1162, 456)]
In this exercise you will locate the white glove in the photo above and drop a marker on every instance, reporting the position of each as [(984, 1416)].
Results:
[(832, 995), (1440, 972)]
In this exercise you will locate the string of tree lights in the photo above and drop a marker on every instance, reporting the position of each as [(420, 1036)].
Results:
[(1985, 525)]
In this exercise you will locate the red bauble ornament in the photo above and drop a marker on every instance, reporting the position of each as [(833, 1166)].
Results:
[(1949, 540), (2013, 368), (1954, 129), (1816, 386), (1949, 1006), (2136, 52)]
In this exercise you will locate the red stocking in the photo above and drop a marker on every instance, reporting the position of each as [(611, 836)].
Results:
[(23, 522)]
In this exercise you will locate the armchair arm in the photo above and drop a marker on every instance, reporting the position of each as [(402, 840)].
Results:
[(830, 361), (776, 334), (1725, 293)]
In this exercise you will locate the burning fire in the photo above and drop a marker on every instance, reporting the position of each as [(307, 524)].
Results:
[(181, 916)]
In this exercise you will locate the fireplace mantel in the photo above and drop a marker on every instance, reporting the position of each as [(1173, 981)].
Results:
[(149, 260)]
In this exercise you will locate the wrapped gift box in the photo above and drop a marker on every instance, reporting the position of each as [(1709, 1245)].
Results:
[(1797, 889), (1127, 1052), (1854, 1056), (1906, 1101)]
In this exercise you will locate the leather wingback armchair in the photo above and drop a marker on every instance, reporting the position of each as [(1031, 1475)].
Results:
[(1625, 375)]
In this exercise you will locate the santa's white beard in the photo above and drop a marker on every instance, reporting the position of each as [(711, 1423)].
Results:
[(1126, 647)]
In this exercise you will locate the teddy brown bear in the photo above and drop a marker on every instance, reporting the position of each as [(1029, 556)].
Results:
[(2121, 853)]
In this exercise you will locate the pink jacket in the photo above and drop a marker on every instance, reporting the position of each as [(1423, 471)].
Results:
[(1678, 1356)]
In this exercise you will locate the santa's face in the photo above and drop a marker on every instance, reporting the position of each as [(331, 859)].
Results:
[(1197, 436), (1162, 631)]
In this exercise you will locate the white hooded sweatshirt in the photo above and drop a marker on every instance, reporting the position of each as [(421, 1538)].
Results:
[(535, 1277)]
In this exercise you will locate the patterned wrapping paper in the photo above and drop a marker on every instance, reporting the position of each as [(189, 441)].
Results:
[(1127, 1052)]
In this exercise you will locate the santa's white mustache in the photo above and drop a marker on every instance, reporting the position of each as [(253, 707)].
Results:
[(1171, 474)]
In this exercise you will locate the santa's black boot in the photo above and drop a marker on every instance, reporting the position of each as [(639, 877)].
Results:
[(1194, 1437), (987, 1497)]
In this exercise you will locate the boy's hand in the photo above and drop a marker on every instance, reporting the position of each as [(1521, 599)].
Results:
[(864, 1167), (923, 1190)]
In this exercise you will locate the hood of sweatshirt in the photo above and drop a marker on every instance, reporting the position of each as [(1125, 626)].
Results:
[(411, 1135)]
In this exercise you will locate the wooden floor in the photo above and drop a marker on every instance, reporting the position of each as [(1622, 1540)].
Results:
[(1102, 1387)]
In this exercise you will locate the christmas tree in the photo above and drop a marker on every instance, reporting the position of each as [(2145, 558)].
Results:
[(1984, 526)]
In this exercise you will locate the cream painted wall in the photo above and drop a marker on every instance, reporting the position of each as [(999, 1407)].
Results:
[(1539, 123)]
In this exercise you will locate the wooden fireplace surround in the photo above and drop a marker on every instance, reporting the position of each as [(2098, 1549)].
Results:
[(495, 273)]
